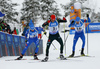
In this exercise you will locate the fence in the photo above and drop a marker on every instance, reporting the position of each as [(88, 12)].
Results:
[(12, 45)]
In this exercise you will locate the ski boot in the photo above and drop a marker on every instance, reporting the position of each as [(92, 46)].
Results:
[(19, 58), (35, 57), (72, 55), (82, 53), (62, 57), (45, 59)]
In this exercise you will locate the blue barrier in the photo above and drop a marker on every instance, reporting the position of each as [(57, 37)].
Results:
[(22, 44), (72, 31), (13, 45), (10, 45), (0, 48), (93, 28), (3, 43), (17, 45)]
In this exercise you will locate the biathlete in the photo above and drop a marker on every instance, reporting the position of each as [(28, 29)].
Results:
[(53, 35), (79, 32), (32, 38)]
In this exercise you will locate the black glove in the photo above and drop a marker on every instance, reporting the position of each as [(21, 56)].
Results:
[(87, 15), (45, 33), (23, 35), (25, 40), (72, 22)]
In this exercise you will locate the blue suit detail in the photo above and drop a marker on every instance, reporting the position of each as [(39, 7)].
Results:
[(76, 37), (39, 29)]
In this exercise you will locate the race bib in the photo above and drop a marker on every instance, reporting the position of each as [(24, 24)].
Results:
[(53, 30), (32, 35), (79, 29)]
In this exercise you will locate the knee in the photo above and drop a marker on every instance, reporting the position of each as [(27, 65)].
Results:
[(48, 44), (74, 40), (84, 41)]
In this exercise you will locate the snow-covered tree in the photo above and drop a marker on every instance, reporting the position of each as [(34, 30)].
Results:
[(49, 7), (7, 7), (30, 10), (35, 9)]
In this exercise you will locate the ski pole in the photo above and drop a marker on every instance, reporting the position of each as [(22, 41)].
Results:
[(64, 38), (47, 37), (87, 37), (52, 44), (67, 37)]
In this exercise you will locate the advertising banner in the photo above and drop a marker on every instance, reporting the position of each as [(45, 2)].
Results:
[(3, 44), (22, 43), (10, 45), (40, 47), (72, 31), (0, 50), (17, 45), (13, 45), (92, 28)]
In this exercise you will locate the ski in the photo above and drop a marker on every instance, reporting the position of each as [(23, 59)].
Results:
[(80, 56), (14, 59), (19, 60), (62, 59)]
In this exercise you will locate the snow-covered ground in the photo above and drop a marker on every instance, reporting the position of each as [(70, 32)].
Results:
[(71, 63)]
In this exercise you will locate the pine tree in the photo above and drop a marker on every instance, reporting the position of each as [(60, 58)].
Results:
[(7, 7), (30, 10), (35, 9), (49, 7)]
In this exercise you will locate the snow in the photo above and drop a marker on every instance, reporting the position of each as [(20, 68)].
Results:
[(71, 63), (53, 63)]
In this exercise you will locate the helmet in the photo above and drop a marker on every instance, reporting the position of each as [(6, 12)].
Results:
[(77, 19), (53, 17), (31, 25)]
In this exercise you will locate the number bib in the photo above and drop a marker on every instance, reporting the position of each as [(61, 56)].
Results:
[(79, 27), (33, 34), (53, 28)]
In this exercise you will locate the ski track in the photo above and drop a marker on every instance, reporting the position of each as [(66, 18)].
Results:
[(53, 62)]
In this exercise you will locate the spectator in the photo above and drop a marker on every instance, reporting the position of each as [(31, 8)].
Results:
[(39, 29), (15, 32)]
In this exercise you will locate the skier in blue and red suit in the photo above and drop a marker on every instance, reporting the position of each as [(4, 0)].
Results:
[(79, 32), (32, 38), (39, 29)]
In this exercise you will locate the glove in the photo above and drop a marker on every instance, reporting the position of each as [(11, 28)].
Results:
[(64, 18), (23, 35), (45, 33), (85, 20), (25, 40), (72, 22), (87, 15)]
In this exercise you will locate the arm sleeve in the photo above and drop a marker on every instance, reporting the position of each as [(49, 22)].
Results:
[(42, 29), (64, 20), (84, 20), (36, 28), (71, 25), (46, 23), (26, 33)]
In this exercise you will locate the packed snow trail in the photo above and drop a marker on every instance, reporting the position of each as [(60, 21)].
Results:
[(53, 62)]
